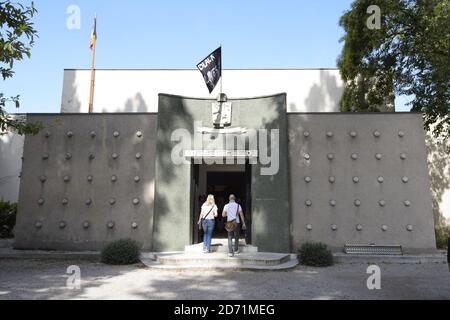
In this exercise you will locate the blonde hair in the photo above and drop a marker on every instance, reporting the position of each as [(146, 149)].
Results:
[(210, 201)]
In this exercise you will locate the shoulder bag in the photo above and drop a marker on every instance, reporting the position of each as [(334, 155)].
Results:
[(200, 227), (230, 226)]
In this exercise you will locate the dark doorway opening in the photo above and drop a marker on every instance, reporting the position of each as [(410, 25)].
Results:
[(222, 183)]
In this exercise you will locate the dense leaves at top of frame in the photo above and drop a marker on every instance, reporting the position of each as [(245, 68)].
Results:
[(409, 54), (17, 35)]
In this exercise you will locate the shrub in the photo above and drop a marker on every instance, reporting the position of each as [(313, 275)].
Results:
[(121, 252), (442, 235), (8, 212), (315, 255)]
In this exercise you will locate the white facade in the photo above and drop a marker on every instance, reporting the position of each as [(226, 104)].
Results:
[(308, 90)]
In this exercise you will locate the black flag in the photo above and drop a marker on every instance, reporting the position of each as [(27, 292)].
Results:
[(211, 69)]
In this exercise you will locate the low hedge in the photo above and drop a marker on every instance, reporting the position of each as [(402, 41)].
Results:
[(442, 235), (121, 252), (315, 255), (8, 213)]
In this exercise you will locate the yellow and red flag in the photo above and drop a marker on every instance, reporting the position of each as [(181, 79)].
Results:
[(93, 35)]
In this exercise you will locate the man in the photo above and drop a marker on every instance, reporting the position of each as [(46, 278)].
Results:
[(233, 211)]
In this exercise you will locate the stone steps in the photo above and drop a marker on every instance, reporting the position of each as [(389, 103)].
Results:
[(221, 245), (220, 261), (193, 258)]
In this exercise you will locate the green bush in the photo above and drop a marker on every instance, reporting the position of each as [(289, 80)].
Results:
[(121, 252), (315, 255), (442, 235), (8, 212)]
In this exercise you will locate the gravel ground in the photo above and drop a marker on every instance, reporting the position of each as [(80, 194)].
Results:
[(33, 279)]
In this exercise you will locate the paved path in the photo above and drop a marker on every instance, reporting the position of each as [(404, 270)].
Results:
[(33, 279)]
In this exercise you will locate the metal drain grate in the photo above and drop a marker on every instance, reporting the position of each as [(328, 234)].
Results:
[(362, 249)]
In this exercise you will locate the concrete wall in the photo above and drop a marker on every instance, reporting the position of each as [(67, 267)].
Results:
[(55, 188), (439, 172), (308, 90), (11, 148), (173, 190), (313, 213), (53, 205)]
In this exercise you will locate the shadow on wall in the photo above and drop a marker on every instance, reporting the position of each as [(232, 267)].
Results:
[(167, 202), (439, 171), (324, 96), (136, 104), (70, 103)]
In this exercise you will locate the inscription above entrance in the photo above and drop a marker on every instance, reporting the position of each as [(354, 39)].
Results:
[(244, 154)]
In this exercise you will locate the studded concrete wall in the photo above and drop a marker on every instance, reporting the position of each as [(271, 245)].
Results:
[(87, 180), (354, 178), (360, 179)]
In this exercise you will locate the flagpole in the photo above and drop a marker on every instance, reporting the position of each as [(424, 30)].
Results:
[(91, 94), (221, 72)]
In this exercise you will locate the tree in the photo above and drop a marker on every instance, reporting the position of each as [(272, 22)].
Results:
[(16, 39), (409, 54)]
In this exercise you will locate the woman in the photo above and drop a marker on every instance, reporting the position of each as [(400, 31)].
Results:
[(208, 213)]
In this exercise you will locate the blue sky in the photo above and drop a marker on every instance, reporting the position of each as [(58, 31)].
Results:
[(174, 34)]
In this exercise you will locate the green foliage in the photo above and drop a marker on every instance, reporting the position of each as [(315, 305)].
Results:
[(17, 35), (442, 235), (409, 55), (315, 255), (8, 212), (121, 252)]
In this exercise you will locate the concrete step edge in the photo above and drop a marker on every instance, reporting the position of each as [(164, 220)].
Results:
[(154, 265)]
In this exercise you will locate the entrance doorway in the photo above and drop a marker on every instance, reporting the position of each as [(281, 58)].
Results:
[(221, 181)]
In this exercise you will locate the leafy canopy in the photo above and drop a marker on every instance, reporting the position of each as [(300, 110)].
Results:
[(408, 55), (17, 35)]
